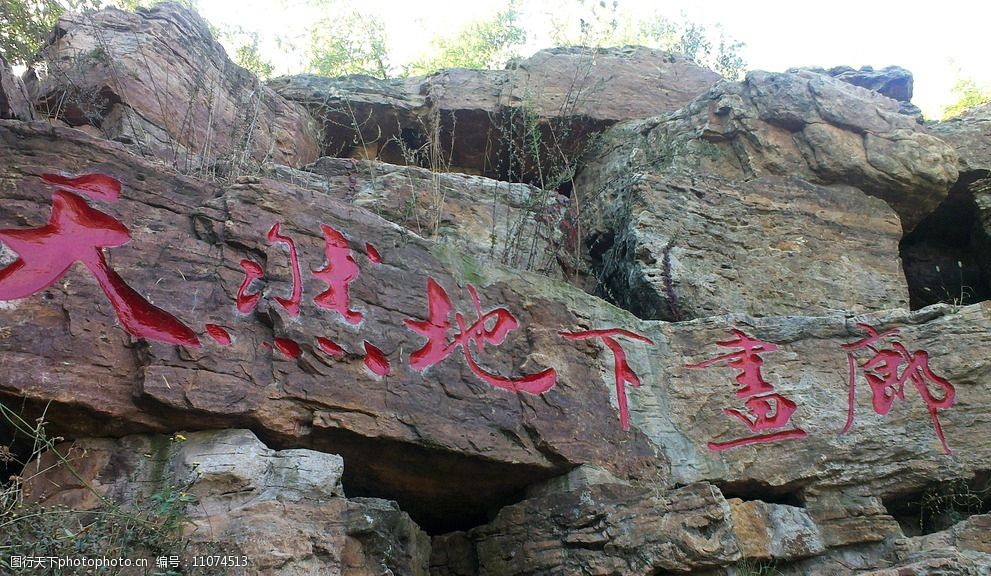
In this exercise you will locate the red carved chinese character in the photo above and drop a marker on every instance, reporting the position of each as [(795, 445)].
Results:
[(621, 369), (289, 348), (765, 409), (292, 303), (881, 372), (246, 303), (78, 233), (478, 334), (340, 272), (330, 347)]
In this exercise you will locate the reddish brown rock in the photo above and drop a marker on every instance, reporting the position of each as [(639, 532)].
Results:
[(443, 438), (156, 81), (443, 442)]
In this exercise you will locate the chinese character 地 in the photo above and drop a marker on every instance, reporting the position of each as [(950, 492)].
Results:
[(882, 374), (490, 328), (765, 409)]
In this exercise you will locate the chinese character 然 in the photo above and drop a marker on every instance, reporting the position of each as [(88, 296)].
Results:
[(77, 232), (882, 374), (621, 369), (765, 409), (437, 348)]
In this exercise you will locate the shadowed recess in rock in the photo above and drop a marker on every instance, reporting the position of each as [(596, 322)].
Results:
[(946, 258), (746, 490), (442, 491), (939, 505)]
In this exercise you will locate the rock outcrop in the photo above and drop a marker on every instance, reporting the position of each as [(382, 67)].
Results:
[(274, 512), (156, 81), (424, 399), (528, 123), (894, 82), (948, 258), (802, 184), (513, 224)]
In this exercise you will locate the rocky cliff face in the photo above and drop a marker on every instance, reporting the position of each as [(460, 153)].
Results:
[(701, 350)]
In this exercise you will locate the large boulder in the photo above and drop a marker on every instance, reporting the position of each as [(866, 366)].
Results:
[(158, 82), (809, 126), (272, 512), (894, 82), (782, 194), (530, 122)]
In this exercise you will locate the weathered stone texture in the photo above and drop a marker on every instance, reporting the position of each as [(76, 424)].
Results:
[(676, 248), (156, 81), (284, 510), (782, 194), (600, 528), (494, 221), (14, 102), (484, 121)]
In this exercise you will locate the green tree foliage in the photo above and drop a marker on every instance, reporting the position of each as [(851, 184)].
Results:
[(486, 43), (710, 48), (246, 52), (602, 24), (348, 42), (968, 95), (24, 25)]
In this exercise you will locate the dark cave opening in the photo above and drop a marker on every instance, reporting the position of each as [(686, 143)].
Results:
[(748, 490), (441, 491), (940, 505), (947, 257)]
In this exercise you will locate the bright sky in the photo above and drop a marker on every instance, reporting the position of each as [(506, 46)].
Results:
[(933, 41)]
